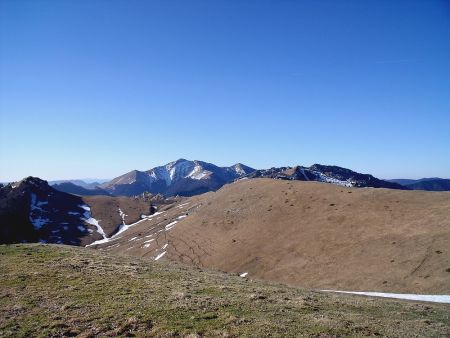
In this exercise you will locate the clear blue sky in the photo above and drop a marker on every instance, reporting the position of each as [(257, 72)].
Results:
[(93, 88)]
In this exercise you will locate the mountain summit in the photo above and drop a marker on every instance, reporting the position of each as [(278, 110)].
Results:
[(180, 177)]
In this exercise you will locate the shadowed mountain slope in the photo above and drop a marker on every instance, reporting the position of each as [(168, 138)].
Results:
[(33, 211)]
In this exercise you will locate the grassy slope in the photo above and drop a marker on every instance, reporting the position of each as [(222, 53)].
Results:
[(320, 236), (50, 290)]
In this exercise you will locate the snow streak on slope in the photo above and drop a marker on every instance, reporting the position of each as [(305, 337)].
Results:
[(423, 298), (124, 227), (160, 255), (90, 220), (122, 215), (324, 178), (36, 211)]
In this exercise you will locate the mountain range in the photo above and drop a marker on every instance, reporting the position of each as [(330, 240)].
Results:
[(189, 178), (278, 224), (73, 188), (88, 183), (325, 173), (430, 184), (31, 210)]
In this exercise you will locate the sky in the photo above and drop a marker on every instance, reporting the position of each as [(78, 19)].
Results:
[(96, 88)]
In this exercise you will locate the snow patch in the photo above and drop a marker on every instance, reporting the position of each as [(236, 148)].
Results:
[(198, 173), (324, 178), (423, 298), (35, 209), (87, 217), (39, 222), (85, 207), (160, 255), (123, 228), (122, 215), (238, 170), (94, 222), (182, 205), (35, 204), (170, 225)]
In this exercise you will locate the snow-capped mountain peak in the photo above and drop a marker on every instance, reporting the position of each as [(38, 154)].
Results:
[(182, 177)]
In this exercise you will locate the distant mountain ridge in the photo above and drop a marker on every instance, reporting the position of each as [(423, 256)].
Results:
[(72, 188), (326, 173), (181, 177), (85, 183), (188, 178), (429, 184)]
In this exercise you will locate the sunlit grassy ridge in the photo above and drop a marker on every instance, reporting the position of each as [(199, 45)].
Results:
[(49, 290)]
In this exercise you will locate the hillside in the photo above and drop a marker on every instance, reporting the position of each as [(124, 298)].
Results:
[(33, 211), (307, 234), (93, 293)]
